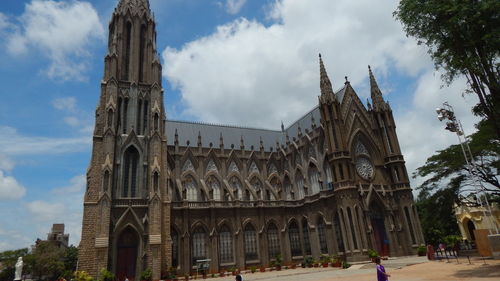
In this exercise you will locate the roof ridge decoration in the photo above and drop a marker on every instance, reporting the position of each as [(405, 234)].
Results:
[(221, 125), (139, 7), (376, 94)]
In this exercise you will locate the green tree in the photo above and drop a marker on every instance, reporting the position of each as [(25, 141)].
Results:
[(47, 260), (448, 167), (463, 38), (8, 259), (70, 258), (436, 214)]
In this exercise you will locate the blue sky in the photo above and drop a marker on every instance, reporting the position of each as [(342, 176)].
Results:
[(251, 63)]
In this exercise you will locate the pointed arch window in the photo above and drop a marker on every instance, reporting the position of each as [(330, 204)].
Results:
[(199, 246), (250, 240), (142, 53), (323, 246), (124, 116), (273, 242), (314, 179), (226, 245), (294, 237), (110, 118), (156, 181), (299, 182), (139, 117), (130, 173), (288, 189), (276, 184), (105, 181), (305, 235), (360, 223), (156, 122), (192, 191), (215, 188), (145, 118), (126, 52), (257, 187), (329, 175), (237, 188)]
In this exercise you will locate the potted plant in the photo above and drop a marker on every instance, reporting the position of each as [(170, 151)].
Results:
[(421, 251), (278, 261), (345, 265), (372, 254), (293, 266), (82, 276), (308, 262), (186, 277), (315, 263), (324, 260), (262, 269), (146, 275), (233, 270), (253, 268), (106, 275), (336, 262)]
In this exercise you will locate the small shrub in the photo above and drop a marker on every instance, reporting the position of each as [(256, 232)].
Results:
[(324, 259), (345, 265), (279, 260), (253, 268), (372, 253), (147, 275), (107, 275), (308, 261), (82, 276), (421, 250)]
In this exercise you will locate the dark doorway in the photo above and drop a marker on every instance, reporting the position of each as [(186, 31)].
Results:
[(126, 254), (471, 227), (378, 225)]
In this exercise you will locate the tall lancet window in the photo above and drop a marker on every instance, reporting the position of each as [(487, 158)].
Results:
[(138, 119), (145, 118), (142, 53), (156, 182), (130, 172), (314, 179), (126, 51), (110, 118)]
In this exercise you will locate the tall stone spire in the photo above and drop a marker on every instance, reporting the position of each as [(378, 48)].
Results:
[(376, 94), (324, 83)]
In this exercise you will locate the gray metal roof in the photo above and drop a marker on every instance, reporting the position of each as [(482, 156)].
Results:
[(210, 133)]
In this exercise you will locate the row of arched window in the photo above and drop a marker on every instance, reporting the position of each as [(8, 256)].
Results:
[(257, 190), (298, 236)]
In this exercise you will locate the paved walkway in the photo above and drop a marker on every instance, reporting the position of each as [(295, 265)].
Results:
[(408, 269)]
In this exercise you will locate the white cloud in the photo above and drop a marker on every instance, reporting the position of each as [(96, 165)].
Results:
[(46, 211), (13, 143), (234, 6), (6, 163), (246, 64), (248, 73), (65, 104), (10, 189), (77, 184), (61, 30)]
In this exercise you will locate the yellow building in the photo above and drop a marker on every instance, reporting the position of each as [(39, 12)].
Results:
[(470, 218)]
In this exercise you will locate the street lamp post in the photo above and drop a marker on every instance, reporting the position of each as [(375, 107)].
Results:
[(454, 125)]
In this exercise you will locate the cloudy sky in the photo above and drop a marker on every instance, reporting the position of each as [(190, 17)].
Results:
[(258, 57)]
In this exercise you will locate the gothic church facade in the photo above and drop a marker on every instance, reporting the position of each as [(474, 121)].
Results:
[(163, 193)]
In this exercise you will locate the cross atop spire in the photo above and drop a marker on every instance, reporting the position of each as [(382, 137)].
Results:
[(324, 83), (376, 94)]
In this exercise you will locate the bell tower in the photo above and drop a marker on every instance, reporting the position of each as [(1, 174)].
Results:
[(126, 219)]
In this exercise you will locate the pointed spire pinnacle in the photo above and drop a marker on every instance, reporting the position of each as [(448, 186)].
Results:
[(282, 126), (261, 144), (176, 137), (376, 94), (324, 83), (221, 139), (199, 138), (242, 143)]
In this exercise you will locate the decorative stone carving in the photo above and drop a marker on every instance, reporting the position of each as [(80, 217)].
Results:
[(360, 149), (19, 269), (233, 167), (273, 169), (254, 168), (211, 166)]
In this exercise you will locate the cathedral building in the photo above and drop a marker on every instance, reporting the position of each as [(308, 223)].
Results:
[(163, 193)]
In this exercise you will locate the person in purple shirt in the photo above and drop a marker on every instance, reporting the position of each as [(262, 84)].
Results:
[(381, 275)]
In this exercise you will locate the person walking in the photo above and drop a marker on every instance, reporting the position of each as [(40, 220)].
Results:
[(238, 278), (381, 274)]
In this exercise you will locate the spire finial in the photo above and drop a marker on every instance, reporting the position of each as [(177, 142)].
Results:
[(282, 126), (376, 94), (324, 83)]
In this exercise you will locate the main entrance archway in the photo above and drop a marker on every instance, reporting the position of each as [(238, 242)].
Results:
[(379, 233), (126, 254)]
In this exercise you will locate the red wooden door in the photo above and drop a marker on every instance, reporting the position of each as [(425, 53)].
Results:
[(126, 255)]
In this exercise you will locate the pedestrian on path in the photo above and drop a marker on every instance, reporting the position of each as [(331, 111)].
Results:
[(238, 278), (381, 275)]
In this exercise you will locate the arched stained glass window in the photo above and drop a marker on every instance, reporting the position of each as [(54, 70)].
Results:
[(250, 240), (226, 245), (314, 179), (130, 172), (192, 191), (323, 246), (199, 245), (305, 235), (273, 242), (294, 237), (237, 187)]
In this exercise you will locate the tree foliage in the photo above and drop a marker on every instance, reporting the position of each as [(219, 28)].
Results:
[(450, 165), (436, 214), (463, 37)]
